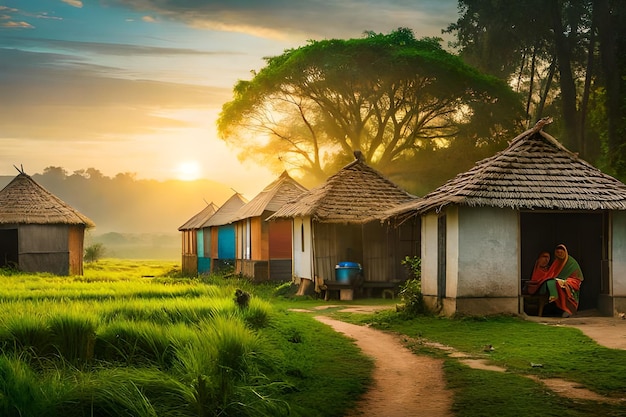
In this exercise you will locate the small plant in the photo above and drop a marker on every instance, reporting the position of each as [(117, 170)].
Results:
[(411, 290), (414, 265)]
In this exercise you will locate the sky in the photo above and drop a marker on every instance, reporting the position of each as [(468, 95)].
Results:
[(136, 86)]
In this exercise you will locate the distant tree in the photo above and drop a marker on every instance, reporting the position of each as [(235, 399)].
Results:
[(94, 252), (565, 56), (390, 96)]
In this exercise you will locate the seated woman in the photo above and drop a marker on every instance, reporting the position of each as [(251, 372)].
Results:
[(565, 278), (540, 275)]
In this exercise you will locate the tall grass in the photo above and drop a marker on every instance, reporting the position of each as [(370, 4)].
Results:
[(116, 342), (19, 385), (134, 343), (74, 335)]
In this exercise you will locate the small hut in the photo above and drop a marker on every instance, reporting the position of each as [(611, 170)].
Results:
[(482, 230), (38, 231), (221, 232), (339, 222), (196, 257), (264, 248)]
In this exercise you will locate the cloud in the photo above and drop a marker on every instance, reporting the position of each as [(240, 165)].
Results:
[(105, 48), (79, 101), (73, 3), (16, 25), (283, 18)]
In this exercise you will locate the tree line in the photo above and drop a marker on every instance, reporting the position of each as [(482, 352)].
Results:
[(125, 204)]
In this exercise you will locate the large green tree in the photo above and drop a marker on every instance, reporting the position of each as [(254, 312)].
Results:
[(568, 59), (390, 96)]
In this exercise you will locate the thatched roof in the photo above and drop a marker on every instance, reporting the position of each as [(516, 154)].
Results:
[(272, 198), (534, 172), (198, 220), (24, 201), (355, 194), (226, 212)]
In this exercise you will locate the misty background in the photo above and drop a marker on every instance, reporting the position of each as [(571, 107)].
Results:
[(135, 219)]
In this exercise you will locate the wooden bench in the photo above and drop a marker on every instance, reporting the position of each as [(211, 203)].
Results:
[(358, 288), (540, 300), (329, 287)]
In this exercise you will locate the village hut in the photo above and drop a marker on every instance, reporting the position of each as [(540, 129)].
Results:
[(483, 230), (338, 224), (38, 231), (220, 235), (264, 248), (196, 258)]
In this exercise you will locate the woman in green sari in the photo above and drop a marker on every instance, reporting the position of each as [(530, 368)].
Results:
[(564, 287)]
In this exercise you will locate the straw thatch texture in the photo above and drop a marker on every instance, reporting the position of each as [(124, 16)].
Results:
[(534, 172), (226, 212), (356, 194), (23, 201), (198, 220), (272, 198)]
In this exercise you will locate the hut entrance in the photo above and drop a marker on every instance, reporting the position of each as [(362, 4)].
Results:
[(8, 248), (586, 237)]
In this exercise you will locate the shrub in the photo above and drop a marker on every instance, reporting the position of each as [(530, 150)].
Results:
[(412, 298), (94, 252), (414, 265)]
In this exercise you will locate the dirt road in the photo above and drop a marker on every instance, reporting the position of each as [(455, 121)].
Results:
[(405, 382)]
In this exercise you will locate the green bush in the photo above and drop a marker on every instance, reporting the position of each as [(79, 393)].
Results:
[(94, 252), (412, 298), (414, 265)]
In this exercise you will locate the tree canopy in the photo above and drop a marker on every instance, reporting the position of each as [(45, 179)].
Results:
[(567, 58), (390, 96)]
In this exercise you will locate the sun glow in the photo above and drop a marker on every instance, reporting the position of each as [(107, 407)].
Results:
[(188, 171)]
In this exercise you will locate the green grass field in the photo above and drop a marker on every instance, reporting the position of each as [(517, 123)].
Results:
[(135, 338)]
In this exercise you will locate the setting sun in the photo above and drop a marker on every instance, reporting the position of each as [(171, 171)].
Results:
[(188, 171)]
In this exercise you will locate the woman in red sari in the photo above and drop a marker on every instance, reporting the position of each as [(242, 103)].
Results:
[(564, 289), (540, 274)]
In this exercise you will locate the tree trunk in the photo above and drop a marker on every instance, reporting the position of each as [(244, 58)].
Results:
[(585, 99), (544, 92), (568, 88), (607, 33)]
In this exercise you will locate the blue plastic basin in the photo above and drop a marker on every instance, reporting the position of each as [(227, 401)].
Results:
[(345, 271)]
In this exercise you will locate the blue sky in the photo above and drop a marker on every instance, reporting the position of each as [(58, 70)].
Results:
[(136, 85)]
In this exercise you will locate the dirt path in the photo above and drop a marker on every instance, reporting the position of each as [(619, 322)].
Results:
[(403, 382)]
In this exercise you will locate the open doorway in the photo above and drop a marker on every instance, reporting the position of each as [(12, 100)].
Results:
[(583, 233), (8, 248)]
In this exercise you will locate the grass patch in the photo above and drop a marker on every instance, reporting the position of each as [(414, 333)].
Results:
[(135, 339)]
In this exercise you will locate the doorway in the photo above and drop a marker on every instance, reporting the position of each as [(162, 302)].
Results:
[(583, 233), (8, 248)]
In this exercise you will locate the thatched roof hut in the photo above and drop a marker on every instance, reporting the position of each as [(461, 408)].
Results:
[(38, 231), (272, 198), (356, 194), (264, 248), (194, 257), (534, 172), (482, 230), (219, 234), (198, 220), (339, 221)]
